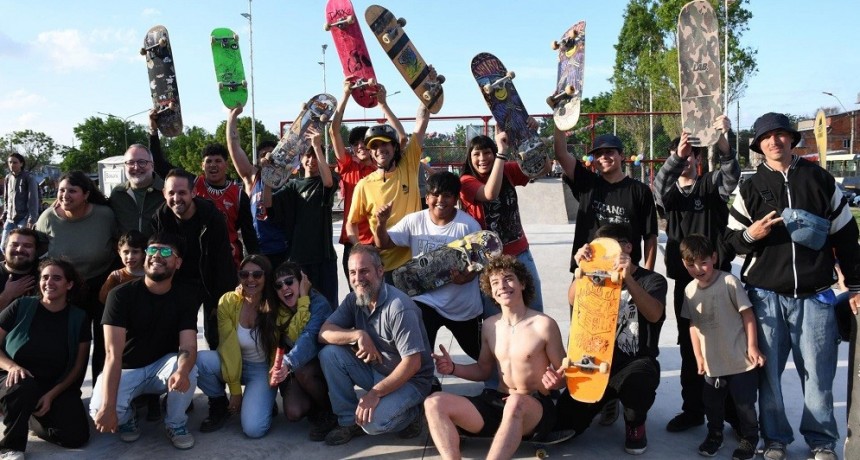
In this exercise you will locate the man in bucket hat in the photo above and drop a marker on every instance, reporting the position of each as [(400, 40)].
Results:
[(789, 282)]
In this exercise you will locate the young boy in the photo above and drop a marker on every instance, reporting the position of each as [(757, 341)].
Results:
[(130, 247), (723, 332)]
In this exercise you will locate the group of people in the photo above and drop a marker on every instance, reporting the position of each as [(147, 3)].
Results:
[(130, 272)]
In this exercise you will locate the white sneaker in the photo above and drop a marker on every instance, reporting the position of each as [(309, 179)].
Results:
[(8, 454)]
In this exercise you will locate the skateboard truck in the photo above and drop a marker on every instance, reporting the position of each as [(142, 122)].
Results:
[(386, 37), (161, 43), (233, 86), (433, 87), (567, 42), (339, 23), (560, 98), (500, 82), (225, 42), (361, 83), (586, 363)]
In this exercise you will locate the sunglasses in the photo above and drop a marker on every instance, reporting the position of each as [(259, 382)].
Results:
[(285, 282), (256, 274), (164, 251)]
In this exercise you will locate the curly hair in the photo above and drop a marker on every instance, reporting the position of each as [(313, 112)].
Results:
[(506, 263)]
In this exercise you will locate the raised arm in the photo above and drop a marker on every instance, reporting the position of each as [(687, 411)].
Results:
[(322, 164), (240, 159), (159, 162), (336, 122), (565, 159), (381, 97), (490, 191), (730, 170)]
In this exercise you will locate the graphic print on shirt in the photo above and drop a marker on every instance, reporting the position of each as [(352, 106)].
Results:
[(627, 336), (502, 215)]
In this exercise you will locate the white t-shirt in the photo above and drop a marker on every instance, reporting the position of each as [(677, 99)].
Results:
[(252, 351), (457, 302)]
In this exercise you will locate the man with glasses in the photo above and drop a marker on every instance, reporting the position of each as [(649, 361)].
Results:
[(695, 203), (135, 201), (151, 340), (22, 206), (208, 261)]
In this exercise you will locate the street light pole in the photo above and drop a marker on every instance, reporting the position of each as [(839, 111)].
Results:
[(325, 88), (726, 59), (253, 114), (124, 122)]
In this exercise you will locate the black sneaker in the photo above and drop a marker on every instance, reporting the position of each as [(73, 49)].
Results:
[(321, 425), (684, 421), (343, 434), (712, 444), (745, 450), (635, 441), (218, 415)]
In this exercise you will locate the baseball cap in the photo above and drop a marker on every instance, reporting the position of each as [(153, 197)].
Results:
[(607, 141)]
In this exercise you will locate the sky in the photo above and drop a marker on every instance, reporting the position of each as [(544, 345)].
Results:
[(62, 62)]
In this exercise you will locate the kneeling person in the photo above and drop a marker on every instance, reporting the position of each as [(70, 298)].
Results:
[(525, 345)]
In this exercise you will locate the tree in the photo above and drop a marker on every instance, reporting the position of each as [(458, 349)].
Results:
[(37, 147), (101, 138), (184, 151), (243, 126)]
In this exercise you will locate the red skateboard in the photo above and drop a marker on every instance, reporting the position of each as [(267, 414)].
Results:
[(349, 42)]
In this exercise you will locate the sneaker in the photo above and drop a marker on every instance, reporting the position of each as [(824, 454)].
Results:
[(824, 453), (684, 421), (153, 408), (342, 434), (609, 413), (129, 431), (413, 429), (180, 437), (745, 450), (9, 454), (635, 441), (712, 444), (774, 451), (321, 425), (218, 415)]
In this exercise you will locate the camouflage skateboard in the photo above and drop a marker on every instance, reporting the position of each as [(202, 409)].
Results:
[(497, 87), (293, 144), (350, 46), (229, 71), (162, 81), (699, 71), (571, 66), (541, 451), (591, 341), (433, 269), (424, 81)]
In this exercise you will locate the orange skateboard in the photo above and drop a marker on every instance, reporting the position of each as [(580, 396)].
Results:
[(593, 322)]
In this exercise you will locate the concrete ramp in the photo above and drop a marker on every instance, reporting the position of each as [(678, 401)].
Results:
[(546, 201)]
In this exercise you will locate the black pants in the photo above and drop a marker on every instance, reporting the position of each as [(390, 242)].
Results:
[(347, 248), (66, 423), (634, 383), (323, 276), (95, 310), (850, 324), (743, 389), (467, 333)]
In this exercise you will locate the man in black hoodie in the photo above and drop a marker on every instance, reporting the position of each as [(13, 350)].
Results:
[(207, 261)]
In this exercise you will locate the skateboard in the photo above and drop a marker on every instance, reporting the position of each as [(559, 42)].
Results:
[(593, 321), (350, 45), (497, 86), (541, 451), (162, 81), (571, 66), (422, 78), (229, 71), (433, 269), (288, 153), (699, 72), (820, 130)]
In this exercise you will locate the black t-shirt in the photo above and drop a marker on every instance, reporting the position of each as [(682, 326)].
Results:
[(152, 322), (4, 278), (46, 352), (635, 336)]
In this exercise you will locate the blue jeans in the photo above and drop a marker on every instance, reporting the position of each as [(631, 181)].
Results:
[(151, 379), (343, 370), (257, 399), (807, 328)]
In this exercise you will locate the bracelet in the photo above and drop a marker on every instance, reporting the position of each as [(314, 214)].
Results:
[(453, 368), (500, 156)]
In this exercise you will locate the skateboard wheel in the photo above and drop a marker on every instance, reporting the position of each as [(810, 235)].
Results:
[(603, 368), (615, 277), (350, 19), (323, 118), (550, 101), (426, 95), (220, 85), (386, 39), (541, 453), (569, 90), (162, 42), (401, 22), (211, 39), (440, 79), (172, 105), (304, 106), (511, 74), (554, 45), (236, 37), (577, 273), (371, 81), (327, 27), (565, 362), (143, 51), (488, 88), (244, 83)]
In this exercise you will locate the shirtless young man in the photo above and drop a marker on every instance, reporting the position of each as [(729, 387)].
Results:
[(522, 405)]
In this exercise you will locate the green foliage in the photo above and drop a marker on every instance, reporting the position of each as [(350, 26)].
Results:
[(243, 126), (184, 151), (101, 138), (37, 147)]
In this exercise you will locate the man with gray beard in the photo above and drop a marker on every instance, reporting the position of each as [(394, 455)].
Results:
[(376, 340)]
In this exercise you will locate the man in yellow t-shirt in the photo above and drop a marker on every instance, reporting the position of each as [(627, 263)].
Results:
[(395, 181)]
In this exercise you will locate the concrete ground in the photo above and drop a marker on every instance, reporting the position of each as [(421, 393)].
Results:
[(551, 246)]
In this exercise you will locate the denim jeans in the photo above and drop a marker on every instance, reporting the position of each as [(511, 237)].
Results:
[(807, 328), (257, 399), (151, 379), (343, 370)]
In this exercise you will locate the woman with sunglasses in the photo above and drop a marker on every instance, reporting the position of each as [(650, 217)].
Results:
[(299, 314), (45, 345)]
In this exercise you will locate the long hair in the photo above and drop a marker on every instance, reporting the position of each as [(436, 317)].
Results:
[(478, 142), (262, 307), (80, 179), (267, 320)]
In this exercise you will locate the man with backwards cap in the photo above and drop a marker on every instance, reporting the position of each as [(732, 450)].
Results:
[(788, 274), (395, 181)]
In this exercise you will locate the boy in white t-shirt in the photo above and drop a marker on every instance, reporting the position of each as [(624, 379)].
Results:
[(723, 332), (456, 305)]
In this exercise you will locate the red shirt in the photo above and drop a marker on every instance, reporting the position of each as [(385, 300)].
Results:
[(351, 172), (227, 201), (501, 215)]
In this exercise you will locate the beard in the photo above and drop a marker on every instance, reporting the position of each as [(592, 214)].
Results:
[(366, 294), (159, 276), (20, 265)]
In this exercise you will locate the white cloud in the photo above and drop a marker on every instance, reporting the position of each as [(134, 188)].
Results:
[(20, 99), (25, 119), (150, 13), (71, 49)]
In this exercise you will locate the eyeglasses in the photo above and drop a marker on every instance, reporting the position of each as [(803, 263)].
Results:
[(164, 251), (256, 274), (285, 282), (138, 163)]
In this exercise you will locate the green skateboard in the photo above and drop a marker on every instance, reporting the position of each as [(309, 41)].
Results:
[(229, 70)]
